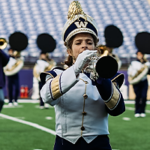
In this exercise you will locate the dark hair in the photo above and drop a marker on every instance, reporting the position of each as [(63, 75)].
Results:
[(69, 61)]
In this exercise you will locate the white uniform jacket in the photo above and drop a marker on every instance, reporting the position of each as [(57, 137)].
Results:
[(136, 68), (79, 108)]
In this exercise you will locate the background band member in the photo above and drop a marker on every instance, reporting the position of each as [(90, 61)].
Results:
[(4, 58), (81, 105), (41, 65), (47, 44), (13, 83), (18, 41), (137, 73)]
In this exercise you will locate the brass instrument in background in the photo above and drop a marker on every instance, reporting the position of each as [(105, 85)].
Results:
[(36, 72), (3, 43), (143, 45), (139, 74), (18, 41)]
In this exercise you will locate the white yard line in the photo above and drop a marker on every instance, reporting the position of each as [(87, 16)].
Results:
[(29, 123), (126, 118)]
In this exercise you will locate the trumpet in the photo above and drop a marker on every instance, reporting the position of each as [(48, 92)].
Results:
[(102, 64), (3, 43)]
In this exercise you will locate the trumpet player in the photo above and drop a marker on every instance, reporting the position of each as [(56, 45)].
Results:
[(4, 58), (81, 105), (140, 87)]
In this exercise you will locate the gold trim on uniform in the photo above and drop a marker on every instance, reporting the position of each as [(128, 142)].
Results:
[(55, 87), (116, 77), (114, 99)]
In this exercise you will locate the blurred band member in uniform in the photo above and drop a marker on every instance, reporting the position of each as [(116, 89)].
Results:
[(81, 104), (47, 44), (41, 65), (135, 70), (18, 41), (4, 58), (13, 82)]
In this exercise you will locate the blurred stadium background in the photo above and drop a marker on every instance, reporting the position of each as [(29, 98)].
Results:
[(33, 17)]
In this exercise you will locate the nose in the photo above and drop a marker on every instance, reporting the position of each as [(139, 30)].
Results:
[(84, 46)]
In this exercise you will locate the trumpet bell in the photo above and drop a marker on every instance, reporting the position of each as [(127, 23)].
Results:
[(3, 43), (106, 67)]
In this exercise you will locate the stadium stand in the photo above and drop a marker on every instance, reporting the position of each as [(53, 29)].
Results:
[(39, 16)]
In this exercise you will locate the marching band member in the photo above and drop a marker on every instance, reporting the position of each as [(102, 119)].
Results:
[(81, 105), (18, 41), (137, 72), (47, 44), (141, 87), (13, 81), (41, 65), (4, 58)]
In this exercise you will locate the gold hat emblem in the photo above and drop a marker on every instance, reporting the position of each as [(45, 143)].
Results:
[(75, 9)]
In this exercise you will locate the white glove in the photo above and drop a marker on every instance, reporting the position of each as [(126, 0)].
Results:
[(147, 64), (83, 59)]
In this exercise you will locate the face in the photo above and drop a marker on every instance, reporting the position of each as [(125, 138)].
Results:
[(10, 52), (43, 56), (81, 42), (139, 55)]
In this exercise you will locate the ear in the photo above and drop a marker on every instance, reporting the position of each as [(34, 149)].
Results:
[(69, 51)]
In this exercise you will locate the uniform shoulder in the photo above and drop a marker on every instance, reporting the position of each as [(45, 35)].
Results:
[(52, 73)]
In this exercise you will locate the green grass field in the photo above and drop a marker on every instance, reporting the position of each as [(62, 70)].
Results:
[(126, 131)]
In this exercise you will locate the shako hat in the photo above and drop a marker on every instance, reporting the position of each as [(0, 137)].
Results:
[(18, 41), (46, 43), (142, 42), (113, 36), (78, 22)]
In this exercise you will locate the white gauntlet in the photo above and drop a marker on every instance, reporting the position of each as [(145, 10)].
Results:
[(83, 59)]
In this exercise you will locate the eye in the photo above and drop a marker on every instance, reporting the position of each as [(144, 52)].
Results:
[(90, 42), (78, 43)]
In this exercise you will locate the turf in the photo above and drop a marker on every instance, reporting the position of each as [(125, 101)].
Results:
[(126, 131), (130, 134)]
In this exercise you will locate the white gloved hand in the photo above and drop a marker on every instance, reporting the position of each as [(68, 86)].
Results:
[(147, 64), (83, 59)]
